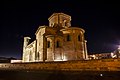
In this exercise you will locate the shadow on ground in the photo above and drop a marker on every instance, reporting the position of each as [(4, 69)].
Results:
[(58, 75)]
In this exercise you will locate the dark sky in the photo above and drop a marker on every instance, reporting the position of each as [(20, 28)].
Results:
[(101, 21)]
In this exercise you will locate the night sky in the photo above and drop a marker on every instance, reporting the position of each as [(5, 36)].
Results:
[(101, 22)]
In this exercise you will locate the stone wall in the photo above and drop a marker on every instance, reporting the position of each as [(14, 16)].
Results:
[(90, 65)]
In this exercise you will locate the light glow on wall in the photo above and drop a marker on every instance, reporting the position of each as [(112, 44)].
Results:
[(65, 58), (113, 55), (16, 61), (58, 59)]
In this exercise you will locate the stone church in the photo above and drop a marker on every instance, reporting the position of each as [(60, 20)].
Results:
[(57, 42)]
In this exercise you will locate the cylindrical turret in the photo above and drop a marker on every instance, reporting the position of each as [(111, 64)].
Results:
[(26, 41), (61, 19)]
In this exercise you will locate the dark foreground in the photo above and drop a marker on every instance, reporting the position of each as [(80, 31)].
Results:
[(58, 75)]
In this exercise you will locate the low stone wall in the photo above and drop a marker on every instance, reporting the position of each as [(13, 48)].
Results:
[(87, 65)]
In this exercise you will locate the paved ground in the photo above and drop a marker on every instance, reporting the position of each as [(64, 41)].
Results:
[(58, 75)]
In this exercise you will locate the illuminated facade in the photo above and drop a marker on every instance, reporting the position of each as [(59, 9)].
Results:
[(56, 42)]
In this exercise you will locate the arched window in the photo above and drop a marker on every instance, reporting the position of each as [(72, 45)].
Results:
[(48, 44), (78, 37), (58, 44), (37, 56), (66, 23), (68, 37), (30, 56)]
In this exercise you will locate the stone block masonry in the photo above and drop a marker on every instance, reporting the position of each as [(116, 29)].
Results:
[(83, 65)]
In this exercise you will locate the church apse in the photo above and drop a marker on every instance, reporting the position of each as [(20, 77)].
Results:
[(57, 42)]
